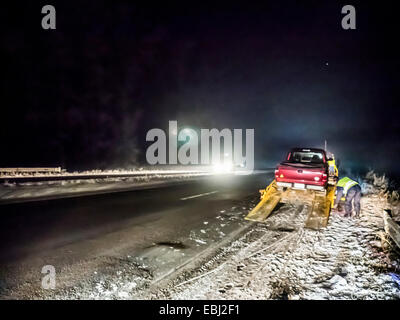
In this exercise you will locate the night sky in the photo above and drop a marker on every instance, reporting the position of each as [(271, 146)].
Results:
[(83, 96)]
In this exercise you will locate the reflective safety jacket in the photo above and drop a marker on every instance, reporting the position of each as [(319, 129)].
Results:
[(346, 183)]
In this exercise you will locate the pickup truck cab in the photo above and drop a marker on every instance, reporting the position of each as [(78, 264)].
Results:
[(303, 168)]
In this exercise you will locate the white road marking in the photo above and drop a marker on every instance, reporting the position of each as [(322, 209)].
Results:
[(199, 195)]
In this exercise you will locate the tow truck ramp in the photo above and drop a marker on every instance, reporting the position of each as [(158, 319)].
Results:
[(319, 203)]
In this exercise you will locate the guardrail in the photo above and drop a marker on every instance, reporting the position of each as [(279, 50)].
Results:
[(391, 228), (15, 171), (101, 175)]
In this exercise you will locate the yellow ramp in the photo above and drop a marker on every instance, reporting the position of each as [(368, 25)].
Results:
[(320, 210), (270, 197), (320, 204)]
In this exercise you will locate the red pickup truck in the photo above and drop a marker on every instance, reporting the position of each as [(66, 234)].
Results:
[(304, 168)]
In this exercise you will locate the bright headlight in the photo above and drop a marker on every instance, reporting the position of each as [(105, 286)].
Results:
[(223, 167)]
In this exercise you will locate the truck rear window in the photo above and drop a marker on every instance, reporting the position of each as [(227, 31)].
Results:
[(306, 157)]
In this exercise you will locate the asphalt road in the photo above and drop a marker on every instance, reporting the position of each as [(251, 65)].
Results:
[(64, 231)]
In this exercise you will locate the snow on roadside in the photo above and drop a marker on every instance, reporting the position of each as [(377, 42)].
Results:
[(102, 181), (60, 188), (343, 261)]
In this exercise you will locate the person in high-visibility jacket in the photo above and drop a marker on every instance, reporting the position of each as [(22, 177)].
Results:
[(351, 190)]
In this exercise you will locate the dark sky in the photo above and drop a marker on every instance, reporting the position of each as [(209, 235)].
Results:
[(83, 96)]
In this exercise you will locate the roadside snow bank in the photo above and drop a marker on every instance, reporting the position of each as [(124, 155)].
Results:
[(65, 188)]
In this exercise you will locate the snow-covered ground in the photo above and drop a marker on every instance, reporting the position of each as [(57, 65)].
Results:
[(343, 261), (277, 259)]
